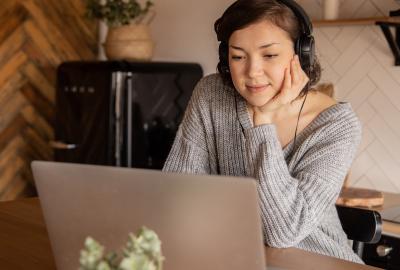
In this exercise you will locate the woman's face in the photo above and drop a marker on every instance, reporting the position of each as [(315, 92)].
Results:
[(258, 56)]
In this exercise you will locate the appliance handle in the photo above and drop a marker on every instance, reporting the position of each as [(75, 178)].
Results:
[(62, 145)]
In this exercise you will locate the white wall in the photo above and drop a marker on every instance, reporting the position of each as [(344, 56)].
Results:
[(183, 31)]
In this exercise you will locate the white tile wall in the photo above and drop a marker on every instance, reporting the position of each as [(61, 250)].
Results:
[(365, 112), (330, 32), (330, 52), (345, 36), (380, 52), (361, 93), (359, 61), (367, 9), (360, 166), (388, 85), (357, 71), (378, 179), (367, 138), (383, 106), (365, 182), (329, 74), (384, 5), (348, 8), (385, 161), (386, 136)]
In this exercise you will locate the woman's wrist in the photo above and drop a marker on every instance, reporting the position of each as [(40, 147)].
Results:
[(260, 117)]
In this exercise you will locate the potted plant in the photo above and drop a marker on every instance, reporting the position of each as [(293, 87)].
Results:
[(128, 36), (142, 252)]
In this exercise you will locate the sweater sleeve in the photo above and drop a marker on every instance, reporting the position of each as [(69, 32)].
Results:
[(189, 152), (292, 206)]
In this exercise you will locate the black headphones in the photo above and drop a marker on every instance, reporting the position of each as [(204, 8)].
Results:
[(304, 45)]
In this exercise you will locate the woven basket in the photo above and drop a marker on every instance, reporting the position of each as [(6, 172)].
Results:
[(129, 42)]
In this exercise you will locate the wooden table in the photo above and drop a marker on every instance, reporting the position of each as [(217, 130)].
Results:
[(24, 244)]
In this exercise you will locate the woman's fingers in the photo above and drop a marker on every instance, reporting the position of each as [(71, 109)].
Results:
[(291, 82), (299, 74), (284, 94), (287, 84), (295, 70), (295, 79), (300, 79)]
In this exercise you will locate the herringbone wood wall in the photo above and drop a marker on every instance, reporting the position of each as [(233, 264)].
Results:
[(35, 37)]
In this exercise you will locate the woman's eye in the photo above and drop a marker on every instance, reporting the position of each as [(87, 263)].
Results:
[(236, 57), (269, 56)]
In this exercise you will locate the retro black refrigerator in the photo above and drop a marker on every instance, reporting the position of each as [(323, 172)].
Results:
[(120, 113)]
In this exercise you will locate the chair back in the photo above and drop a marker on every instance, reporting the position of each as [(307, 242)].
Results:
[(363, 226)]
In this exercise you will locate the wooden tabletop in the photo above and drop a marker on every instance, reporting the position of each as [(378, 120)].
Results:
[(24, 244)]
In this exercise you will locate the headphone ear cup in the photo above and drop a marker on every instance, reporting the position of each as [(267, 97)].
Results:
[(305, 49)]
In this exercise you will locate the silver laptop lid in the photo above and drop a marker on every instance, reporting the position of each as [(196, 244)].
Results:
[(204, 222)]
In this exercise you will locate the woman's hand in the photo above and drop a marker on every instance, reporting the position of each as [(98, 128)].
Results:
[(294, 81)]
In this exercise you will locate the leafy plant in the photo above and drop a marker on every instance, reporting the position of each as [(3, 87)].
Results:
[(119, 12), (142, 252)]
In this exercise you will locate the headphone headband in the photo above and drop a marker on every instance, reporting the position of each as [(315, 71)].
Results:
[(300, 14)]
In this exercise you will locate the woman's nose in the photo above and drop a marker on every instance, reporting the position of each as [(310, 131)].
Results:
[(255, 68)]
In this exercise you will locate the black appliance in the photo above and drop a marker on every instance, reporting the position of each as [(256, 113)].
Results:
[(120, 113)]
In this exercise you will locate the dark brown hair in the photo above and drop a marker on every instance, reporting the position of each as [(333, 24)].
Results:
[(245, 12)]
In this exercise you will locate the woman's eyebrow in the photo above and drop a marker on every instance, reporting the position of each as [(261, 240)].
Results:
[(261, 47), (268, 45)]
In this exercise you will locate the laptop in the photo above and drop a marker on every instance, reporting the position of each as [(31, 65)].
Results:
[(203, 222)]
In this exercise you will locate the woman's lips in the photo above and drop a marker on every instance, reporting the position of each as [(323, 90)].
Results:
[(257, 88)]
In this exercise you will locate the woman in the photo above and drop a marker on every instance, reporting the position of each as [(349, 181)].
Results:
[(260, 117)]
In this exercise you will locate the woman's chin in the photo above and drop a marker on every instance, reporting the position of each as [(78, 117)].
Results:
[(259, 102)]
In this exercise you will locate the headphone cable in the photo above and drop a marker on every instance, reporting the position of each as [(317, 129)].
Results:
[(298, 117)]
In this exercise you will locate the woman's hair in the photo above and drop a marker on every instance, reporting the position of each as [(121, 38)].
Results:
[(245, 12)]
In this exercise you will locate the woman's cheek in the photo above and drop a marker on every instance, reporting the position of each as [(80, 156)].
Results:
[(278, 77)]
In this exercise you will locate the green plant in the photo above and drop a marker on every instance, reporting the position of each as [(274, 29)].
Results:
[(119, 12), (142, 252)]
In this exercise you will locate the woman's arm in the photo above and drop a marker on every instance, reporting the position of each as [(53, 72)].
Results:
[(292, 206), (186, 157), (189, 152)]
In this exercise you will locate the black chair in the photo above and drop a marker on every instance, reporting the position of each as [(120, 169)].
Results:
[(363, 226)]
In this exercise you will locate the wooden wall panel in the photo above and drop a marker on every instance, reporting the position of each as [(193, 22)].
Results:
[(35, 37)]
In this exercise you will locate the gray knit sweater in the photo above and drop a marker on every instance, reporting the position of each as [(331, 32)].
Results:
[(297, 189)]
